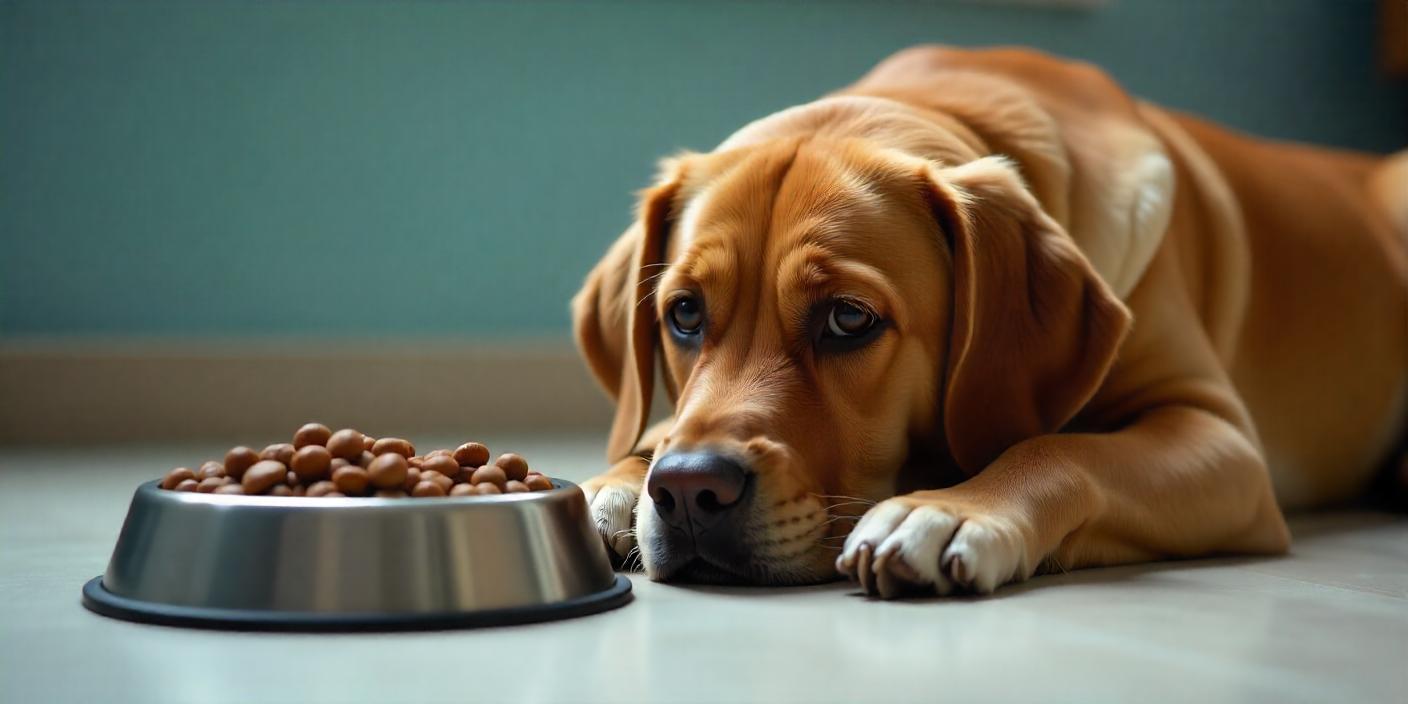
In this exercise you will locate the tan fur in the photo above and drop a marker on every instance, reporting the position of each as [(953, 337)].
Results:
[(1110, 327)]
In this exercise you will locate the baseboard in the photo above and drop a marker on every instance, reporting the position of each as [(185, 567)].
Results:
[(100, 392)]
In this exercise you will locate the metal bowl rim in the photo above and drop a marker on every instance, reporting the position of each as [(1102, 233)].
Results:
[(152, 490)]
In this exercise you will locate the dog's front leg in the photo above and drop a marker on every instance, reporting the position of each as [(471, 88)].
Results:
[(1180, 482), (612, 495)]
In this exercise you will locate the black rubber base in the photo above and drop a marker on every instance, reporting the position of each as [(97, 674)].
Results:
[(99, 600)]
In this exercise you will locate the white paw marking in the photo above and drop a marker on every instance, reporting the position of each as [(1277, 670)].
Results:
[(613, 513), (903, 545)]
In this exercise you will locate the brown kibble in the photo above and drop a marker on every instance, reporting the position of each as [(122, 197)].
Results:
[(487, 488), (415, 461), (465, 475), (334, 495), (322, 488), (400, 446), (430, 475), (279, 452), (491, 474), (312, 462), (443, 464), (538, 482), (311, 434), (412, 478), (176, 476), (365, 459), (351, 480), (210, 484), (513, 486), (347, 444), (300, 490), (462, 490), (390, 494), (428, 489), (238, 460), (263, 476), (368, 442), (514, 466), (291, 478), (437, 453), (336, 464), (471, 454), (231, 488), (187, 485), (210, 469), (388, 471), (281, 490)]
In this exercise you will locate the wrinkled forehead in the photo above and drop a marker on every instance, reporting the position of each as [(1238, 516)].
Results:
[(749, 211)]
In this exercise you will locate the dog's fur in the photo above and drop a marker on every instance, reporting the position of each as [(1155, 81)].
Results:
[(1114, 333)]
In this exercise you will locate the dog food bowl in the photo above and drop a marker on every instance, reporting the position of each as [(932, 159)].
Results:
[(297, 563)]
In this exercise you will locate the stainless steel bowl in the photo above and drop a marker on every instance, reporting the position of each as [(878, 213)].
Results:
[(318, 564)]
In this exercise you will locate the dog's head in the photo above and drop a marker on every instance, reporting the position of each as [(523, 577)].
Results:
[(822, 312)]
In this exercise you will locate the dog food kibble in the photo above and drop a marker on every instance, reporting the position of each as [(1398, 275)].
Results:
[(388, 471), (263, 476), (351, 480), (210, 469), (323, 463), (514, 467), (436, 478), (311, 434), (312, 463), (210, 484), (347, 444), (279, 452), (176, 476), (443, 464), (471, 454), (400, 446), (238, 459), (321, 488), (428, 488), (490, 474)]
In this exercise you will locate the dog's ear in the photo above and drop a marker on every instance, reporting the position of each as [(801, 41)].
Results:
[(1035, 329), (614, 313)]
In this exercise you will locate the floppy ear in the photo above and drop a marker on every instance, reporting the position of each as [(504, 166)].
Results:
[(1035, 329), (614, 314)]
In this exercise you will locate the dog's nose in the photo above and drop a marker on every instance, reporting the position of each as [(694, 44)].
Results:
[(697, 487)]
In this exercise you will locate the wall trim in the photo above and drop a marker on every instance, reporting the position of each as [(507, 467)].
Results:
[(85, 392)]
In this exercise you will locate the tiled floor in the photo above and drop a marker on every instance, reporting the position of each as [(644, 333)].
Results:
[(1327, 624)]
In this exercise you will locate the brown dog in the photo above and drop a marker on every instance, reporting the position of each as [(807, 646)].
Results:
[(1060, 327)]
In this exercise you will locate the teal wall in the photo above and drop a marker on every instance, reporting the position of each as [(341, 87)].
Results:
[(435, 168)]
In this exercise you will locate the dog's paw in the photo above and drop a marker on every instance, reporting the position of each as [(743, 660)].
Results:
[(912, 544), (612, 501)]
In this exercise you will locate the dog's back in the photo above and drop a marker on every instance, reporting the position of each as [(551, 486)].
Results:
[(1296, 256)]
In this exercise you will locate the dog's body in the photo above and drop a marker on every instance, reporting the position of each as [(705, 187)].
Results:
[(1134, 325)]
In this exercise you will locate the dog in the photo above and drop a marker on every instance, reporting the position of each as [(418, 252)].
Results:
[(983, 315)]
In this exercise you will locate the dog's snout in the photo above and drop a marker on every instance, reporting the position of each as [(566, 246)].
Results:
[(697, 487)]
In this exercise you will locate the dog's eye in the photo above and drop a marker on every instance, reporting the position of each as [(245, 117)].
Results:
[(849, 320), (686, 315)]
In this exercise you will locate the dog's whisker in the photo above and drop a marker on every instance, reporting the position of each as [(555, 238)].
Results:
[(842, 496)]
